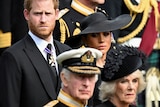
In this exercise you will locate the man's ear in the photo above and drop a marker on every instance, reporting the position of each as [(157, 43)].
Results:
[(26, 14), (57, 14)]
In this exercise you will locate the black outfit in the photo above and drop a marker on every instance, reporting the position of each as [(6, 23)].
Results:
[(110, 104), (117, 7), (19, 25), (26, 79), (12, 20), (95, 98), (5, 19), (68, 24), (64, 3)]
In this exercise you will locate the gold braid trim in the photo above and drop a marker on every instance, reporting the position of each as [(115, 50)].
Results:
[(84, 69), (154, 3), (5, 39), (51, 103), (136, 8), (141, 25), (133, 17), (64, 30)]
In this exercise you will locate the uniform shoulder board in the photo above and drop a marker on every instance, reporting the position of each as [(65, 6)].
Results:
[(63, 12), (51, 103)]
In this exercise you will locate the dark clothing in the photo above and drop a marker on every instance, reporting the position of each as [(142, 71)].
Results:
[(12, 20), (4, 21), (69, 22), (26, 80), (5, 16), (95, 98), (110, 104), (60, 104), (117, 7), (19, 25), (64, 3)]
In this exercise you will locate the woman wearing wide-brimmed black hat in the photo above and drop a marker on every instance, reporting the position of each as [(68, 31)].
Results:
[(96, 32), (122, 78)]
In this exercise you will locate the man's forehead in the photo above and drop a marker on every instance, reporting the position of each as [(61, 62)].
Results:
[(42, 5), (84, 75)]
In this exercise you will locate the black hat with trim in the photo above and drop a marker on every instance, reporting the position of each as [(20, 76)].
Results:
[(122, 61), (82, 60), (96, 23)]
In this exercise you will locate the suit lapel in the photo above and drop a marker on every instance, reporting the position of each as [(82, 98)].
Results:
[(41, 66), (58, 51)]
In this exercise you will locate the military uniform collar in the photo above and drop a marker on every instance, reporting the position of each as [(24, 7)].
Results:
[(81, 8), (68, 100)]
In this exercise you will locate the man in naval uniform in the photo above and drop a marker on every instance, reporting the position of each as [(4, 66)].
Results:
[(79, 75), (69, 18)]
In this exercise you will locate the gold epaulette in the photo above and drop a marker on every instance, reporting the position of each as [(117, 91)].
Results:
[(144, 6), (136, 8), (62, 12), (51, 103), (5, 39), (134, 13), (64, 30)]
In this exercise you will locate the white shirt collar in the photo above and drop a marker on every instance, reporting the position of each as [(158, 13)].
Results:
[(41, 43)]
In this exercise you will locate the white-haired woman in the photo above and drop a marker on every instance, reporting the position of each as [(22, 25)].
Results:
[(122, 78)]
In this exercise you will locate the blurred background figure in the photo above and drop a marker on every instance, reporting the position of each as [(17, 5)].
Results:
[(13, 25), (64, 4)]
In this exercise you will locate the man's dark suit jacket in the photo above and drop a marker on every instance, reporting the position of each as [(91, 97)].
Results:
[(26, 79)]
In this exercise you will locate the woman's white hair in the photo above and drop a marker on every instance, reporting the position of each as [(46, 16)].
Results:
[(107, 89)]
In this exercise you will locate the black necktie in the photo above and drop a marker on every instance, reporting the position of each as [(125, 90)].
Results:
[(51, 62)]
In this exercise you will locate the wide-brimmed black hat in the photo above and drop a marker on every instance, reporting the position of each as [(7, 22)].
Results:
[(122, 61), (96, 23)]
